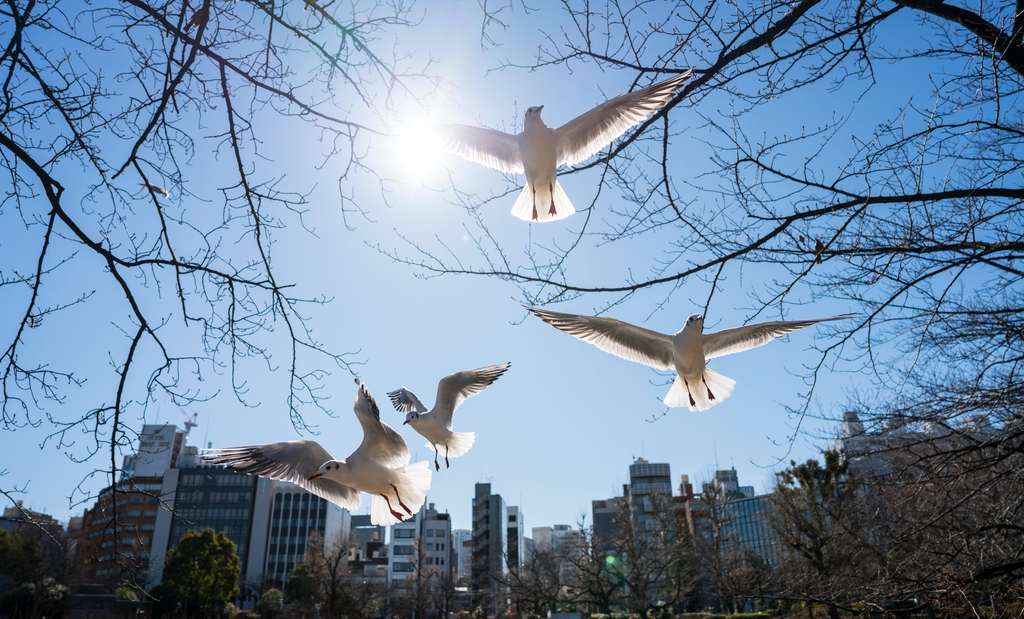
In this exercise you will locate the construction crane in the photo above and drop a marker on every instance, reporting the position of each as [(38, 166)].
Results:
[(190, 422)]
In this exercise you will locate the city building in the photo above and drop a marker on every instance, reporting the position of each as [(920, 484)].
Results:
[(730, 520), (647, 480), (296, 514), (205, 496), (115, 538), (462, 541), (546, 538), (422, 542), (159, 448), (514, 555), (368, 554), (117, 532), (490, 541), (605, 514)]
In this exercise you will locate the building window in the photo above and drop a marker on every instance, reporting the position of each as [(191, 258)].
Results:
[(403, 549), (402, 566), (404, 533)]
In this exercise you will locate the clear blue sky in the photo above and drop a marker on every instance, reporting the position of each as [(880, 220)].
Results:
[(562, 426)]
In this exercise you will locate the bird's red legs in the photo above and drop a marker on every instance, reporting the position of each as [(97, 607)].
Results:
[(445, 456), (711, 396), (406, 508), (692, 401), (437, 466), (398, 515), (551, 189), (535, 204)]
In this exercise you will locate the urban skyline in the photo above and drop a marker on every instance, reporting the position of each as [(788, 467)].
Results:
[(460, 514)]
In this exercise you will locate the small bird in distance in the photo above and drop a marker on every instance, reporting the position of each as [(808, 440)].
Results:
[(819, 248), (538, 150), (686, 352), (156, 189), (436, 424), (379, 467), (198, 19)]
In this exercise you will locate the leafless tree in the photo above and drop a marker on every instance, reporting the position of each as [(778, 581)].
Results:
[(536, 586), (337, 591), (947, 506), (108, 111)]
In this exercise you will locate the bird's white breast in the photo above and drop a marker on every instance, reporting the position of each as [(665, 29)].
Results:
[(431, 429), (365, 474), (537, 150), (688, 351)]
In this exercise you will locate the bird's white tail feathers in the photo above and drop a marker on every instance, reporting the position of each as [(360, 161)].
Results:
[(458, 444), (524, 206), (721, 386), (413, 483)]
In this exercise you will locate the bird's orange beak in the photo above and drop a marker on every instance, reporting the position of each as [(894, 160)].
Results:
[(314, 476)]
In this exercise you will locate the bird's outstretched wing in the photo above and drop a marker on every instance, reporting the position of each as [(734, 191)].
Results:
[(585, 135), (380, 441), (494, 149), (292, 461), (614, 336), (406, 401), (455, 388), (751, 336)]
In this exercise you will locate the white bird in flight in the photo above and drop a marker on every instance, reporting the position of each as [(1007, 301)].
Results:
[(367, 469), (539, 149), (686, 352), (436, 425)]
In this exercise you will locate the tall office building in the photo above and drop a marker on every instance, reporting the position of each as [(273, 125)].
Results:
[(117, 531), (296, 515), (368, 555), (462, 541), (204, 496), (515, 555), (646, 481), (490, 540), (605, 514)]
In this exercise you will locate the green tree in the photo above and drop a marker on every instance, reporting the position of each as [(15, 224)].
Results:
[(271, 603), (816, 518), (20, 558), (202, 573)]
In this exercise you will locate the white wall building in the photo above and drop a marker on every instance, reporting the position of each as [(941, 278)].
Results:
[(428, 532)]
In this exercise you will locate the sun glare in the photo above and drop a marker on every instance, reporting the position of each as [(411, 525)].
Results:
[(418, 149)]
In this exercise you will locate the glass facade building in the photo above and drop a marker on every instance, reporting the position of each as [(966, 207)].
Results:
[(215, 498)]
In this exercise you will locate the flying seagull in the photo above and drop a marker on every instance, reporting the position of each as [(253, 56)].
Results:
[(686, 352), (367, 469), (436, 424), (539, 149)]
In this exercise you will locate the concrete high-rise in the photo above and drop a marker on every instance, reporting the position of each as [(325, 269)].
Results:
[(295, 515), (462, 540), (514, 554), (490, 541)]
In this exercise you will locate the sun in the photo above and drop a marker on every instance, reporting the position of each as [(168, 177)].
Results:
[(417, 149)]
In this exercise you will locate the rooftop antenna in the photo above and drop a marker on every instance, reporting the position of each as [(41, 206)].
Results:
[(206, 433), (715, 446)]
